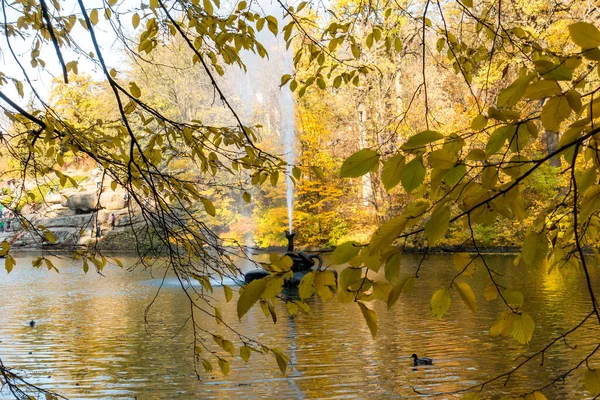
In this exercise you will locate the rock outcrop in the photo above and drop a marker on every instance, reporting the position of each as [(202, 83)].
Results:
[(71, 216)]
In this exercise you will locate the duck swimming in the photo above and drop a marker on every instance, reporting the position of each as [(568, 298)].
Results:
[(422, 361)]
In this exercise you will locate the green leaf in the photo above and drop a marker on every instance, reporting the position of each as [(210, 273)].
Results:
[(386, 234), (250, 295), (535, 248), (370, 317), (541, 89), (437, 226), (496, 140), (555, 111), (479, 122), (585, 35), (467, 295), (442, 159), (413, 174), (476, 155), (360, 163), (421, 139), (523, 327), (392, 171), (228, 293), (440, 302), (344, 253), (468, 3), (208, 206)]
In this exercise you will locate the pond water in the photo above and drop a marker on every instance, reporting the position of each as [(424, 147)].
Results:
[(90, 339)]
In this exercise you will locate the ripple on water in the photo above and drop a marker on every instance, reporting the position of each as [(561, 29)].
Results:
[(90, 339)]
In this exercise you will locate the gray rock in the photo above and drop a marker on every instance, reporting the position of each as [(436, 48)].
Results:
[(83, 202)]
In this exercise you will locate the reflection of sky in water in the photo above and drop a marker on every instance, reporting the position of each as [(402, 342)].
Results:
[(90, 338)]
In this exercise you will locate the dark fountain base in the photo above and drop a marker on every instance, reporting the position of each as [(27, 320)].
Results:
[(302, 264)]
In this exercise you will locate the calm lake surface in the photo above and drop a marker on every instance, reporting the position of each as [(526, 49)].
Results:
[(90, 339)]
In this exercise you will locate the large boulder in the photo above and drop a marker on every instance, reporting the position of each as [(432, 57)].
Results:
[(53, 198), (83, 201), (112, 200)]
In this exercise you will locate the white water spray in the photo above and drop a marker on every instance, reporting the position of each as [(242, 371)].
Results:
[(288, 129)]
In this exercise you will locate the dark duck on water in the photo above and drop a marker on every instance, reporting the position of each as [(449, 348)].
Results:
[(421, 361)]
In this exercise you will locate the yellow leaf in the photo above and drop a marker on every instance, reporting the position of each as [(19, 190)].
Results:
[(535, 248), (208, 206), (413, 174), (344, 253), (585, 35), (135, 21), (523, 327), (94, 16), (392, 171), (592, 381), (467, 295), (135, 90), (9, 264), (440, 302), (464, 263), (218, 316), (228, 293), (437, 226), (555, 111), (224, 365), (250, 295), (281, 360), (306, 287), (50, 237), (360, 163), (4, 248), (479, 122), (206, 365), (535, 396), (396, 291), (541, 89), (370, 317), (421, 139), (273, 287), (245, 353)]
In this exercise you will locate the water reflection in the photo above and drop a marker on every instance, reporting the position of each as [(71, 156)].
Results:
[(91, 340)]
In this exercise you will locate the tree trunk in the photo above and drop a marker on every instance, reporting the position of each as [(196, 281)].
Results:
[(551, 146), (367, 189)]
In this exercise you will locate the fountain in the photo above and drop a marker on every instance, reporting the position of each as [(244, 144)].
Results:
[(303, 263)]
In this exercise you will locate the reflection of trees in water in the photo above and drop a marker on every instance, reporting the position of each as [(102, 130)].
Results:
[(90, 331)]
